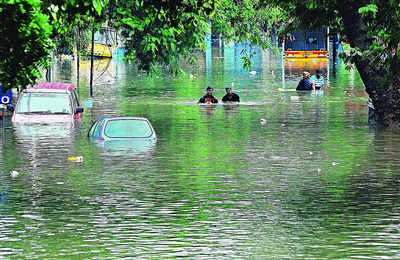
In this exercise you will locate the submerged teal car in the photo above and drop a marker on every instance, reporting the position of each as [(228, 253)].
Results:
[(122, 128), (123, 135)]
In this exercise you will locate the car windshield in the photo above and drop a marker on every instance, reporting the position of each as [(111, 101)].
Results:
[(127, 128), (44, 102)]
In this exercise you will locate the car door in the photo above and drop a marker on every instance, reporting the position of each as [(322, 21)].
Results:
[(75, 103), (93, 132)]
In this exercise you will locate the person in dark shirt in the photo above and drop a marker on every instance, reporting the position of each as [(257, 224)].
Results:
[(230, 96), (208, 97), (305, 83)]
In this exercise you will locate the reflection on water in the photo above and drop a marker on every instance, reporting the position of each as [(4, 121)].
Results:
[(44, 145), (311, 182), (126, 147), (44, 131)]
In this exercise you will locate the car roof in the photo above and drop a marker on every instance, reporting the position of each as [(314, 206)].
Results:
[(122, 118), (51, 86)]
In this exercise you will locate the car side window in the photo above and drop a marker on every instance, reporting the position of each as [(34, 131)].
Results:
[(99, 127), (73, 101), (75, 98), (93, 128)]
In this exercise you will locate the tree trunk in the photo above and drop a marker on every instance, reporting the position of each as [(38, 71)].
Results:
[(385, 96)]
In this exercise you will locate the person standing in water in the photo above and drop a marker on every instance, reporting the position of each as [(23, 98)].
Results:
[(208, 97), (317, 79), (305, 83), (230, 96)]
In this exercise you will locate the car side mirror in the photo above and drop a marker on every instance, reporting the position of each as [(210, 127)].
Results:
[(79, 110), (10, 108)]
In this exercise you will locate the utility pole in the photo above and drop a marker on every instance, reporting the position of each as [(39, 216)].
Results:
[(91, 64), (78, 45)]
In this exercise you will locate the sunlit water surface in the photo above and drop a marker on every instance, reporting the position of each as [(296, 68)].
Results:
[(314, 182)]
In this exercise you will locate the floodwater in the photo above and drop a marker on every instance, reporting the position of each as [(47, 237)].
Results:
[(314, 182)]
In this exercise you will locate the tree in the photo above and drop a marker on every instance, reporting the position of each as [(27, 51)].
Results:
[(247, 20), (161, 32), (27, 30), (24, 42), (155, 31), (372, 28)]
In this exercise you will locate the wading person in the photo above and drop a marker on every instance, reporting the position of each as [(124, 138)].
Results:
[(317, 79), (305, 83), (230, 96), (208, 97)]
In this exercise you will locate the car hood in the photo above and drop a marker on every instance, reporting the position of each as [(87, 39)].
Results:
[(40, 119)]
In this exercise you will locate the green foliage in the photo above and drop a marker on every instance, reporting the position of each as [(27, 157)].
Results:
[(156, 32), (372, 28), (161, 32), (381, 20), (24, 42), (349, 55), (310, 14), (382, 24), (369, 9), (247, 21), (30, 30)]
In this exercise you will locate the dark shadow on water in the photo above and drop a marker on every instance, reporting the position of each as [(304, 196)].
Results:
[(208, 108), (231, 109), (230, 106), (303, 93), (126, 148)]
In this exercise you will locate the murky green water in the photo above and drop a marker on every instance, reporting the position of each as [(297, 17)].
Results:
[(313, 183)]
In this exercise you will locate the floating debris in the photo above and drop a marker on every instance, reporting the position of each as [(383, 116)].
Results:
[(276, 158), (253, 72), (263, 121), (76, 159), (334, 163), (14, 173)]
